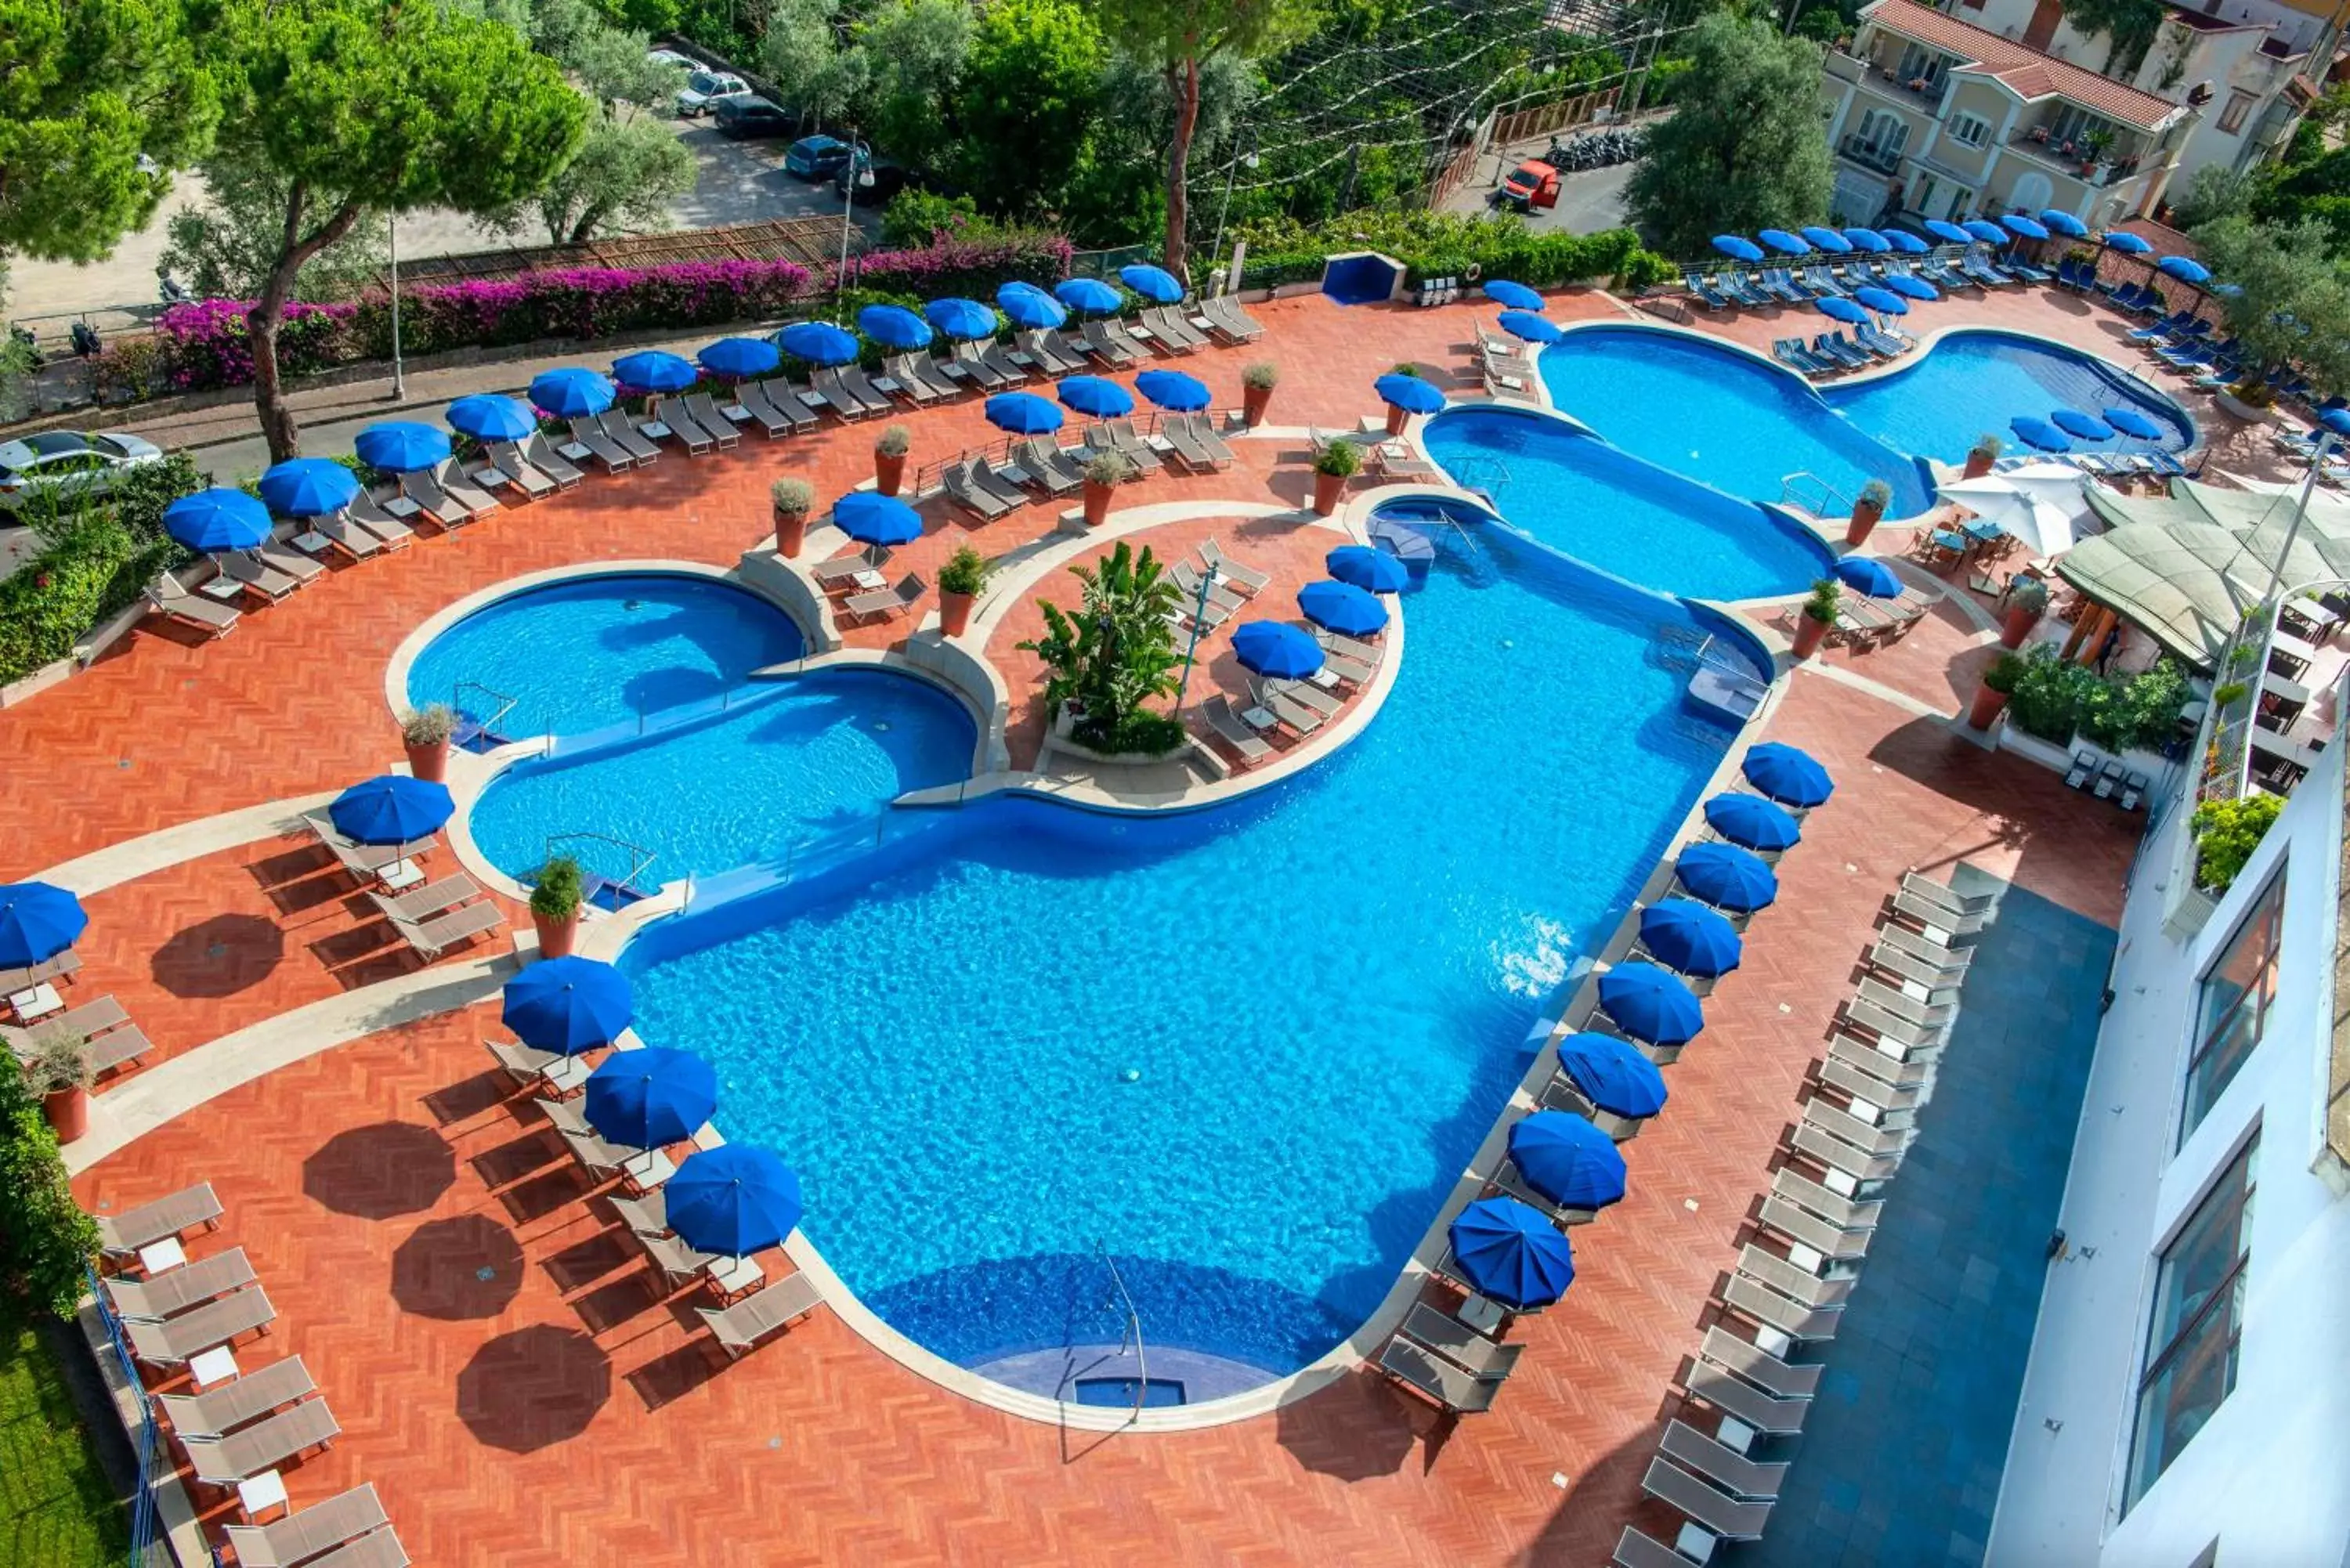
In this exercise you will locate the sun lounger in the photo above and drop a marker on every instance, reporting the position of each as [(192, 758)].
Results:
[(1941, 985), (886, 603), (849, 405), (89, 1020), (349, 537), (1109, 342), (705, 413), (173, 1341), (422, 487), (564, 1115), (433, 898), (504, 463), (1202, 431), (1037, 344), (1120, 436), (740, 1328), (2133, 788), (293, 563), (770, 420), (1893, 1104), (364, 861), (434, 936), (1224, 313), (1935, 919), (957, 481), (678, 421), (1848, 1214), (1169, 331), (1950, 960), (623, 433), (1780, 1379), (788, 403), (254, 574), (266, 1445), (339, 1521), (841, 572), (645, 1216), (1837, 1155), (1190, 582), (600, 1155), (247, 1399), (529, 1065), (1248, 578), (1177, 434), (972, 362), (1718, 1462), (672, 1257), (1634, 1550), (1228, 728), (1736, 1397), (172, 601), (379, 1550), (1461, 1392), (1002, 489), (998, 358), (1769, 1308), (539, 452), (1864, 1135), (1291, 712), (1458, 1343), (1897, 1066), (1312, 695), (1727, 1517), (175, 1291), (174, 1215), (908, 373), (1042, 461), (367, 511), (1922, 1011), (65, 963), (1805, 1228), (115, 1048)]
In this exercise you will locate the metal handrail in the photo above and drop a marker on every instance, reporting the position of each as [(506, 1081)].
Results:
[(629, 883), (489, 725), (1832, 500), (147, 1439), (1134, 1328)]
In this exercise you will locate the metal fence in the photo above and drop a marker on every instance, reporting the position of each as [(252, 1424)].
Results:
[(146, 1439)]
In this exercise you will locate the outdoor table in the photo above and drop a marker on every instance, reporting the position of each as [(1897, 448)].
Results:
[(574, 450), (36, 1002), (402, 507), (164, 1255), (2308, 618), (569, 1074), (1482, 1312), (401, 876), (1022, 357), (870, 580), (733, 1276), (1325, 677), (310, 541), (653, 430), (1015, 472), (736, 413), (223, 588), (1259, 717), (649, 1169), (889, 384), (259, 1494), (217, 1364), (494, 474), (707, 1136), (954, 369)]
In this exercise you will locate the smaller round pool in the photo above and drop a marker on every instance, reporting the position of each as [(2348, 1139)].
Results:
[(597, 651)]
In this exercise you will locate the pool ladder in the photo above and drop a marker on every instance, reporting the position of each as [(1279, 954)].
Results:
[(640, 860), (1133, 1332), (495, 704), (1829, 502)]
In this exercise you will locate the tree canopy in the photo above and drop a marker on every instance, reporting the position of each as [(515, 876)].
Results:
[(1030, 86), (2291, 304), (1742, 150)]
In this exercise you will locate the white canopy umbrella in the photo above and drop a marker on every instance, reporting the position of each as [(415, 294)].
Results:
[(2046, 525)]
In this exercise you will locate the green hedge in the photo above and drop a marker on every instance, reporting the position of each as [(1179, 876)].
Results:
[(91, 565), (1439, 244)]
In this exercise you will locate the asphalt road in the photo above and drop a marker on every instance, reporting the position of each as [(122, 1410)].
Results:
[(1589, 200)]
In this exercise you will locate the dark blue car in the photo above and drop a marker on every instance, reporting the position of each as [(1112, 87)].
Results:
[(817, 157)]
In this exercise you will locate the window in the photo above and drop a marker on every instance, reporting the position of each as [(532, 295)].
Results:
[(2190, 1364), (2240, 104), (2238, 990), (1969, 130)]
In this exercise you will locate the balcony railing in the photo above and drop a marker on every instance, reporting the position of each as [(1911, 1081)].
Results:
[(2076, 164), (1885, 80), (1871, 154)]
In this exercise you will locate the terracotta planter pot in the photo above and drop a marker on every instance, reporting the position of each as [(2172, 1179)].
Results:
[(1987, 706), (1865, 515), (2018, 626), (1254, 401), (1977, 465), (791, 529), (67, 1110), (1397, 418), (889, 472), (1097, 496), (428, 762), (1328, 488), (1808, 633), (556, 937), (954, 611)]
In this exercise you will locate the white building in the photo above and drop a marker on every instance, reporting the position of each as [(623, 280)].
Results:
[(2188, 1399)]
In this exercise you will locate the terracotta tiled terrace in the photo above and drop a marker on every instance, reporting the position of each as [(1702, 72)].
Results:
[(563, 1410)]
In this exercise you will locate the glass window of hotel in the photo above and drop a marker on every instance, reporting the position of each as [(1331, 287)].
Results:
[(2238, 991), (1969, 130), (2240, 104), (1920, 64), (2190, 1363)]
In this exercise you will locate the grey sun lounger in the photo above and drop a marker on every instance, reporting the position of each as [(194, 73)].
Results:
[(429, 901), (987, 479), (1856, 1214), (1869, 1137), (1041, 459), (564, 1115), (1768, 1307), (1172, 328), (1177, 434), (905, 374), (1247, 577), (1941, 985), (1224, 314), (772, 421), (1889, 1099), (998, 358), (1716, 1461), (347, 536), (247, 1399), (789, 401), (1891, 1025), (1459, 1391), (113, 1049), (1921, 1011), (885, 602), (529, 1065), (598, 1154), (1312, 695), (64, 963), (1837, 1155), (338, 1522), (504, 463), (1634, 1550), (1735, 1396), (1201, 430), (1037, 344), (840, 398), (833, 574), (173, 1341), (956, 479), (1891, 1062), (422, 487), (266, 1445), (1228, 728), (92, 1018), (1803, 1227), (367, 511), (540, 453), (1937, 922), (706, 414), (293, 563), (1943, 895), (1780, 1379), (1122, 435), (1458, 1343), (1182, 574), (1729, 1518), (1069, 347), (173, 1215), (252, 572), (742, 1326), (645, 1216), (1950, 960), (363, 860), (589, 434), (1110, 343), (434, 936), (168, 597), (622, 432), (380, 1550), (672, 1257), (676, 419), (179, 1290), (1292, 712), (972, 362)]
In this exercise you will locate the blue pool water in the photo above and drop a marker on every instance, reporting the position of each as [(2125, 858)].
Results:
[(1718, 415), (816, 758), (1972, 383), (1020, 1040), (1621, 513), (597, 651)]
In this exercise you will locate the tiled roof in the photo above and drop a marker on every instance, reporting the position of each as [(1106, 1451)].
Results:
[(2027, 71)]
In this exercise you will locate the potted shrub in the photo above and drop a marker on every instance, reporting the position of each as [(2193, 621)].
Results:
[(791, 499), (1868, 511), (425, 732), (59, 1073), (2027, 601), (1817, 617), (1984, 452), (555, 906), (1990, 697), (1337, 464), (960, 581), (1257, 382), (1104, 471), (890, 449)]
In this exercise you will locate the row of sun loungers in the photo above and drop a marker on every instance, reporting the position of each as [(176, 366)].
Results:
[(112, 1039), (1791, 1282), (432, 919)]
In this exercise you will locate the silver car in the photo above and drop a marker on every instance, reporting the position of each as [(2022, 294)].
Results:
[(705, 88), (67, 466)]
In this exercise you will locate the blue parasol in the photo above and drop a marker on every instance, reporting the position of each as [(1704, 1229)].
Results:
[(2065, 223), (2029, 227), (571, 393), (1788, 776), (1869, 575), (2131, 422), (37, 921), (1508, 1252), (1651, 1004), (1089, 296), (1173, 390), (654, 371), (2184, 268), (1942, 229), (735, 1199), (1840, 309), (1614, 1076), (818, 343), (651, 1097), (1829, 240), (568, 1004), (1410, 393), (307, 487), (1526, 326), (1029, 305), (960, 317), (2087, 427), (217, 519), (1910, 287), (1868, 240), (894, 326), (1727, 877), (402, 446), (1567, 1159), (1753, 823), (390, 809), (1737, 248), (1368, 566), (1983, 229), (2129, 245), (1687, 936), (485, 416), (1342, 607), (1023, 413), (737, 358), (870, 517), (1152, 283), (1512, 295), (1906, 244), (1276, 649), (1877, 298), (1785, 243), (1095, 398), (2036, 431)]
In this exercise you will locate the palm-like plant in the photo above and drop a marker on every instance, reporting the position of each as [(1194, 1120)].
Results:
[(1117, 650)]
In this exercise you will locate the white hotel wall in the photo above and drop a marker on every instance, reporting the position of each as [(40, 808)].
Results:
[(2268, 1477)]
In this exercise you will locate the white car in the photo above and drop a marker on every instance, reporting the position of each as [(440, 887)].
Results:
[(67, 466), (669, 58), (703, 87)]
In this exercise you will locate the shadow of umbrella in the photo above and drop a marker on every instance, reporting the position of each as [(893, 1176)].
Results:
[(1355, 1429), (380, 1170), (218, 957), (532, 1388), (467, 1267)]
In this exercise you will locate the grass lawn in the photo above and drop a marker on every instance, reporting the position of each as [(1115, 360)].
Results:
[(56, 1509)]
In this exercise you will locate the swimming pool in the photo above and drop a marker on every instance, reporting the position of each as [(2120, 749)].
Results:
[(1020, 1042), (1972, 382), (1719, 415), (812, 759), (1620, 514), (591, 653)]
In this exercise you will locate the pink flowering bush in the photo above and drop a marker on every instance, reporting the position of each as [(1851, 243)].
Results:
[(205, 345)]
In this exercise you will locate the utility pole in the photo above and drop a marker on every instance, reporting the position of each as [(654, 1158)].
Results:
[(399, 377)]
